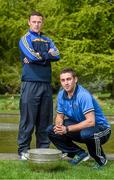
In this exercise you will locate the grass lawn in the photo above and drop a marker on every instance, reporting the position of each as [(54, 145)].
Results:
[(59, 170)]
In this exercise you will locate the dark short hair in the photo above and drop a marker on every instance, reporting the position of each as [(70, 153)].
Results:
[(68, 70), (35, 13)]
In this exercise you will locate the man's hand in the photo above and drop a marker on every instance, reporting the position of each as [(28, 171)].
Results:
[(60, 129), (26, 60), (51, 51)]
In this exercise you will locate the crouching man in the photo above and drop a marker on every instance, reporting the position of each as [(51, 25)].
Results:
[(85, 122)]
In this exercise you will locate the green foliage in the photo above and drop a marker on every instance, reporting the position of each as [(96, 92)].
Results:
[(82, 30), (10, 78), (90, 68), (106, 103), (9, 104)]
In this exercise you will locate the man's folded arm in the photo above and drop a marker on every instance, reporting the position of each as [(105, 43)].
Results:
[(26, 48), (52, 54)]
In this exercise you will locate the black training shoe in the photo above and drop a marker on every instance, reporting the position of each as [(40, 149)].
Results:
[(99, 167)]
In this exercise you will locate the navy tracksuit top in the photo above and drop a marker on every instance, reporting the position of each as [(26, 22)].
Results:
[(39, 67)]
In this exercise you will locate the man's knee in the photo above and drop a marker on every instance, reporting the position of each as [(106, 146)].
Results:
[(87, 133), (49, 129)]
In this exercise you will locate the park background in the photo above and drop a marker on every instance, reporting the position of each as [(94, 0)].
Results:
[(83, 31)]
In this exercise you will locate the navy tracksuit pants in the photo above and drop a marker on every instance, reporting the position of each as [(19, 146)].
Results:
[(93, 137), (36, 112)]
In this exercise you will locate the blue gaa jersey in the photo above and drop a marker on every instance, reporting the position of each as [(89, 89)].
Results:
[(81, 103)]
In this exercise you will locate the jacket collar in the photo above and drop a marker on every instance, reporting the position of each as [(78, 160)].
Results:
[(36, 34)]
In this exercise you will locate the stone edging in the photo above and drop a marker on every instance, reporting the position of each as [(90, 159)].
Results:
[(14, 156)]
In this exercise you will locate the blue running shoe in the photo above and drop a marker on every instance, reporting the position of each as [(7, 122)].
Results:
[(78, 158)]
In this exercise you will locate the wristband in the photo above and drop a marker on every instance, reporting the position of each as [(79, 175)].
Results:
[(67, 130)]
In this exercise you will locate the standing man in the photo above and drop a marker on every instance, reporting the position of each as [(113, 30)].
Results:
[(36, 104), (85, 122)]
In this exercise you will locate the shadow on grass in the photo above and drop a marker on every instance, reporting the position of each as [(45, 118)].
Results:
[(48, 167)]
